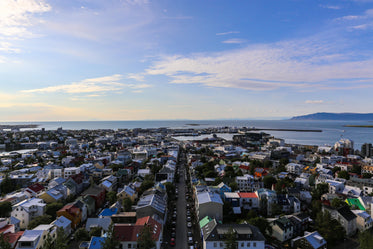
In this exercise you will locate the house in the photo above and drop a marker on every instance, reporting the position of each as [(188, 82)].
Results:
[(153, 202), (103, 222), (335, 186), (71, 171), (109, 183), (344, 216), (300, 223), (52, 195), (247, 236), (127, 192), (294, 168), (64, 223), (71, 212), (26, 210), (96, 242), (249, 200), (90, 203), (266, 199), (309, 241), (209, 204), (108, 212), (127, 234), (71, 187), (96, 193), (35, 239), (245, 182), (282, 229), (34, 190), (363, 220)]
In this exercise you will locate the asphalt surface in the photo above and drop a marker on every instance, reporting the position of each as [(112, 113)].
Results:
[(181, 223)]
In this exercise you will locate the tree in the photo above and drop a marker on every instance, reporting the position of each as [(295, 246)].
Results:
[(337, 203), (263, 225), (95, 231), (230, 239), (335, 169), (366, 240), (52, 208), (145, 239), (367, 175), (320, 189), (44, 219), (81, 234), (268, 181), (5, 209), (344, 174), (60, 242), (7, 185), (110, 241), (324, 223), (233, 186), (127, 204), (111, 197), (4, 244)]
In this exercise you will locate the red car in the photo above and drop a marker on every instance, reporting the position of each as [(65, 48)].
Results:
[(172, 242)]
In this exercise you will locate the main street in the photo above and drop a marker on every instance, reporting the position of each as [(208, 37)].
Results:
[(181, 224)]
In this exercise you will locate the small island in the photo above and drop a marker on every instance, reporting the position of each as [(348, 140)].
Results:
[(359, 126)]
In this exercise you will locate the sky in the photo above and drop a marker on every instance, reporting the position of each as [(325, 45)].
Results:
[(184, 59)]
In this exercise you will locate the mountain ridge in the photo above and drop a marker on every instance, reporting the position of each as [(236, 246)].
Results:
[(348, 116)]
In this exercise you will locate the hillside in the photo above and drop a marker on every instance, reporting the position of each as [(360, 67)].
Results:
[(335, 116)]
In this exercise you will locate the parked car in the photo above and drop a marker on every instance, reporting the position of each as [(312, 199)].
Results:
[(190, 240), (172, 242), (189, 219), (189, 225)]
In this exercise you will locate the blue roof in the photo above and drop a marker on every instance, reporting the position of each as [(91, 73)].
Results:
[(109, 212), (95, 243)]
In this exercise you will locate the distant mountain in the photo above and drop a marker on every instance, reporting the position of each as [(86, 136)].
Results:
[(336, 116)]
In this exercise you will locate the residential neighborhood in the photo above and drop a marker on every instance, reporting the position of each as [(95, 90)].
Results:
[(147, 188)]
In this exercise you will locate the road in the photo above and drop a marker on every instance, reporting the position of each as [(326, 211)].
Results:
[(181, 224)]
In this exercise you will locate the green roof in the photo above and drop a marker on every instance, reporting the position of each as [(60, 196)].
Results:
[(354, 202), (204, 221)]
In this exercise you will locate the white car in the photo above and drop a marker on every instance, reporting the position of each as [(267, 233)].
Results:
[(189, 225)]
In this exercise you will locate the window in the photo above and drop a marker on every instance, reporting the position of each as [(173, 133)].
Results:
[(221, 244), (242, 244), (254, 244), (248, 244), (214, 244), (129, 245)]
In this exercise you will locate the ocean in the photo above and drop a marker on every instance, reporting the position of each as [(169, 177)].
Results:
[(332, 131)]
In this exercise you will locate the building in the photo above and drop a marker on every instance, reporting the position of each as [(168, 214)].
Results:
[(247, 236), (245, 182), (345, 217), (71, 212), (309, 241), (209, 204), (96, 193), (366, 150), (26, 210), (282, 229), (363, 220), (249, 200)]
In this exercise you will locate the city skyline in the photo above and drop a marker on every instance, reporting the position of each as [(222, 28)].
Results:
[(153, 60)]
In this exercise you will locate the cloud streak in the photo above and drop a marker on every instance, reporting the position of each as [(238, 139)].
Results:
[(90, 86)]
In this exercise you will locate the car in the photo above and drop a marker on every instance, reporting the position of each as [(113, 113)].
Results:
[(190, 240), (188, 213), (188, 205), (189, 234), (173, 235), (189, 224), (172, 242), (173, 224), (189, 219), (174, 217)]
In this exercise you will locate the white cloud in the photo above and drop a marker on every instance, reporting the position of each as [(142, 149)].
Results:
[(92, 86), (138, 77), (17, 15), (333, 7), (314, 101), (228, 33), (234, 41), (307, 64)]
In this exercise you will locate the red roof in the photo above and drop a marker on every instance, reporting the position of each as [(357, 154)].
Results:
[(156, 226), (244, 167), (127, 232), (6, 228), (12, 238), (36, 187), (248, 195)]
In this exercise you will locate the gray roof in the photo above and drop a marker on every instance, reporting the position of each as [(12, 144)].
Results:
[(98, 222), (244, 232)]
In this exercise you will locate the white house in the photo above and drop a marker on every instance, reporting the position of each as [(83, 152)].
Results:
[(26, 210)]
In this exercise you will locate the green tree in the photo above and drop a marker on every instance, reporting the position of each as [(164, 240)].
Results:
[(367, 175), (324, 223), (4, 244), (127, 204), (320, 189), (5, 208), (52, 208), (39, 220), (110, 241), (48, 243), (7, 185), (268, 181), (95, 231), (60, 242), (233, 186), (335, 169), (366, 240), (230, 239), (111, 197), (337, 203), (263, 225), (81, 234), (344, 174), (145, 239)]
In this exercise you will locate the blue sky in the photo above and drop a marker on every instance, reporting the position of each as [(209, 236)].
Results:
[(183, 59)]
